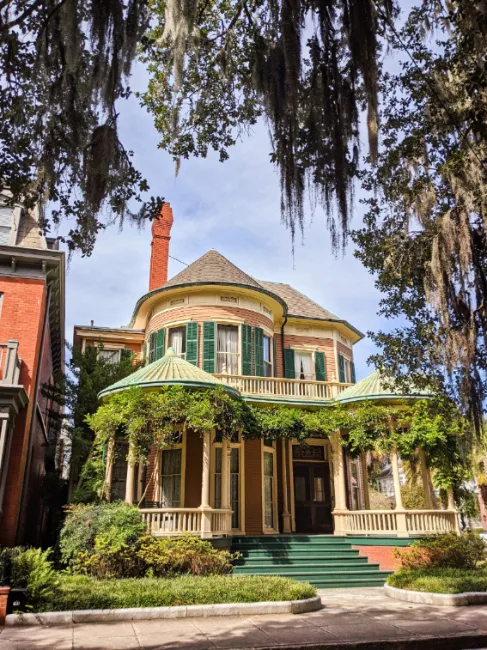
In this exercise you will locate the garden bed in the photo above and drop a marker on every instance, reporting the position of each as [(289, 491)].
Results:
[(440, 580), (83, 592)]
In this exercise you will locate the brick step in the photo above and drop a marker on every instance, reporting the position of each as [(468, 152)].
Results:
[(306, 569)]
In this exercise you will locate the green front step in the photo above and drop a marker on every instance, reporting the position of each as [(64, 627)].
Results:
[(324, 561)]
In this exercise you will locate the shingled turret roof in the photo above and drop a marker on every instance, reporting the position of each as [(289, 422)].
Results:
[(212, 267), (298, 304)]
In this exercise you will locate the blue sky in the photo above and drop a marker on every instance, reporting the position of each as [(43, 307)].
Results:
[(232, 207)]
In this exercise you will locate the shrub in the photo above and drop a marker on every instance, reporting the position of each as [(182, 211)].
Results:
[(33, 570), (115, 524), (155, 558), (7, 557), (440, 581), (446, 550)]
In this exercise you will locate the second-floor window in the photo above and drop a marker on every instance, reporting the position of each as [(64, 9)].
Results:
[(266, 342), (227, 349), (109, 356), (177, 340), (303, 365)]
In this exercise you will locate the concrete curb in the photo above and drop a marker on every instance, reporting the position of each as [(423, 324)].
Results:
[(446, 600), (189, 611)]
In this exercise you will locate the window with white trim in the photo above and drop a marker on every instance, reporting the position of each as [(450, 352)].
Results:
[(109, 356), (227, 349), (304, 365), (177, 340), (267, 357)]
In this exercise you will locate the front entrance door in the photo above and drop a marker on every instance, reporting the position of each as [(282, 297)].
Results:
[(312, 497)]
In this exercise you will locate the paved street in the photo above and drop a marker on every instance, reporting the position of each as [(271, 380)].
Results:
[(349, 616)]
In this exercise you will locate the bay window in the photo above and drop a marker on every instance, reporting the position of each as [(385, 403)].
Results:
[(303, 365)]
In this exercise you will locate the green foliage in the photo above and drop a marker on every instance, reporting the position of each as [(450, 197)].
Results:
[(32, 569), (446, 550), (115, 524), (150, 557), (412, 497), (82, 592), (440, 581), (77, 392), (7, 558)]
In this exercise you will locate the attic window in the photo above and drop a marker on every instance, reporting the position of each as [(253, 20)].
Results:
[(229, 299)]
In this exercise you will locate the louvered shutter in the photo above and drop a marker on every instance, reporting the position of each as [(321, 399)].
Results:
[(320, 366), (192, 343), (246, 332), (352, 372), (341, 369), (126, 354), (209, 335), (289, 372), (161, 341), (259, 351), (152, 346)]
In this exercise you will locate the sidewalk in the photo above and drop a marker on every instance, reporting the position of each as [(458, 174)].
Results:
[(356, 618)]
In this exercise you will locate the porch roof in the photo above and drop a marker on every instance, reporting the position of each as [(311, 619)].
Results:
[(374, 387), (171, 370)]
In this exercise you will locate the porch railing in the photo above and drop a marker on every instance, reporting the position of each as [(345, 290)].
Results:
[(10, 363), (296, 388), (395, 522), (167, 522)]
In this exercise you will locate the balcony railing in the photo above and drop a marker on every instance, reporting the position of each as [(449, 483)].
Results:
[(10, 363), (170, 522), (396, 522), (278, 387)]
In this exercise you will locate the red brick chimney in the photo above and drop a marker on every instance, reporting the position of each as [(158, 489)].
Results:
[(161, 234)]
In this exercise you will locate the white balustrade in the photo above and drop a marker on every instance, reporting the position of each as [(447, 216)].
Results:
[(385, 522), (276, 386), (170, 522)]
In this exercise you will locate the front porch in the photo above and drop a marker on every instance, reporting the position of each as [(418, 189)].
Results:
[(213, 487)]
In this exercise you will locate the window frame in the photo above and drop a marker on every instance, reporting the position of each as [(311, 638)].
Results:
[(270, 449), (240, 445), (168, 341), (268, 364), (239, 346), (178, 445), (117, 351)]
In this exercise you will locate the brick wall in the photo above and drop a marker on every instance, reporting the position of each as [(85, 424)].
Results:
[(381, 555), (161, 234), (345, 351), (22, 318)]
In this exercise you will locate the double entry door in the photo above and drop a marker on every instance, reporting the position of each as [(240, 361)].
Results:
[(312, 497)]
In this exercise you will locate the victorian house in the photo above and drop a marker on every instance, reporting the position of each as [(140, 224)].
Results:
[(211, 324)]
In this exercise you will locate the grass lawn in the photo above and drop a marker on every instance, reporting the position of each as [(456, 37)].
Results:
[(440, 581), (82, 592)]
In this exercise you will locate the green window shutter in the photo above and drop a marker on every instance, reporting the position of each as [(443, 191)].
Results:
[(320, 366), (246, 332), (341, 369), (352, 372), (192, 343), (152, 346), (161, 340), (126, 354), (289, 372), (209, 336), (259, 351)]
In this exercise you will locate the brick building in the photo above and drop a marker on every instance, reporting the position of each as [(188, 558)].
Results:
[(31, 350), (210, 324)]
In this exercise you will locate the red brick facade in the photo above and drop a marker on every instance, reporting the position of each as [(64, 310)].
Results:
[(382, 555)]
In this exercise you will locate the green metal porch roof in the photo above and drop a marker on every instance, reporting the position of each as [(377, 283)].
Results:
[(171, 370), (374, 387)]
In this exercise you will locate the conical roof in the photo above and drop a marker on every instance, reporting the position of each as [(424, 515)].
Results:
[(171, 370), (374, 387), (211, 268)]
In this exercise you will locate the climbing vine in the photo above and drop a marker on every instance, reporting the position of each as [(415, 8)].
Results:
[(154, 418)]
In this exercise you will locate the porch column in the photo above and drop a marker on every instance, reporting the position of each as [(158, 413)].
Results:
[(130, 481), (401, 523), (286, 516), (425, 476), (205, 487), (107, 487), (365, 480), (339, 482)]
